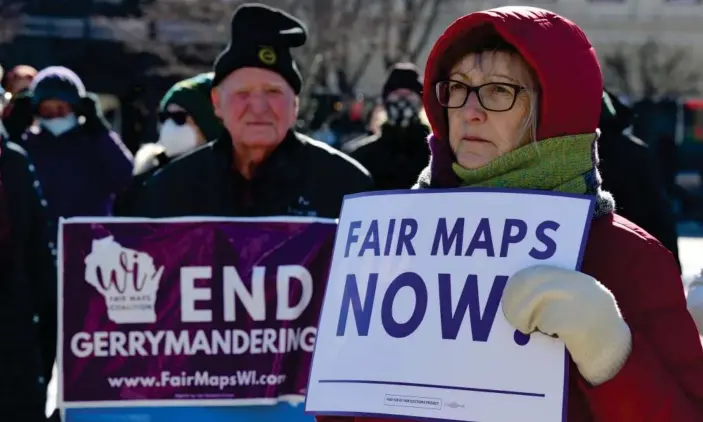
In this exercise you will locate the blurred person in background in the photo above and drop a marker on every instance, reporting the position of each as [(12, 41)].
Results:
[(187, 120), (135, 117), (348, 123), (325, 134), (666, 152), (17, 115), (694, 300), (80, 162), (259, 166), (356, 114), (376, 117), (631, 173), (19, 79), (397, 154), (27, 289)]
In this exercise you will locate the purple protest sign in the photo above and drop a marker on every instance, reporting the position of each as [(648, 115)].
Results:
[(208, 312)]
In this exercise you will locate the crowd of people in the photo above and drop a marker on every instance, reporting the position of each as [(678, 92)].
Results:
[(510, 98)]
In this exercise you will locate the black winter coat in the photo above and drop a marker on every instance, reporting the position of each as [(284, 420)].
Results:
[(395, 157), (27, 294), (302, 177), (631, 173)]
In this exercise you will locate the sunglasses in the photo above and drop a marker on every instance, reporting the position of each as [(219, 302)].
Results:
[(178, 117)]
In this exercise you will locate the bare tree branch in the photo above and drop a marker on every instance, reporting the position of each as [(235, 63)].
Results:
[(344, 35), (205, 22), (424, 38), (387, 24), (646, 60), (406, 25), (662, 71), (616, 68), (370, 50), (411, 30)]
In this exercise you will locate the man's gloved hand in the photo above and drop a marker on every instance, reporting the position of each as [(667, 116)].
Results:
[(94, 119), (576, 308)]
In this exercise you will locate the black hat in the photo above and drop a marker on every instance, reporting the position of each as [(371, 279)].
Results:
[(262, 36), (403, 75)]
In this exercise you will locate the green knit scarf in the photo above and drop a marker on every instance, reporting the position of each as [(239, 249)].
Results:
[(564, 164)]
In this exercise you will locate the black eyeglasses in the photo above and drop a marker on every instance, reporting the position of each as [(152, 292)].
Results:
[(178, 117), (493, 96)]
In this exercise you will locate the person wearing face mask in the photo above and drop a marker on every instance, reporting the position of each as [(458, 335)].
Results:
[(81, 163), (187, 120), (258, 166), (396, 155)]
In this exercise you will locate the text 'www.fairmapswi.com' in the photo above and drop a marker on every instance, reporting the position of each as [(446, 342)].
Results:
[(199, 379)]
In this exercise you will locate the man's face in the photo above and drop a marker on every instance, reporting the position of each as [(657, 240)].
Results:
[(257, 107), (18, 82)]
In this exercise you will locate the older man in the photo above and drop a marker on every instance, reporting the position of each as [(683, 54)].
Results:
[(260, 166)]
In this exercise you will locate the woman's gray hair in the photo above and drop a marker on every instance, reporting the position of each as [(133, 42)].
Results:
[(528, 79), (485, 39), (530, 122)]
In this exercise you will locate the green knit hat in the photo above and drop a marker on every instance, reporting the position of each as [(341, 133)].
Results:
[(193, 95)]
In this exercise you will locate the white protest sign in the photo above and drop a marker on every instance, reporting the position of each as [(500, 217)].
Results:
[(411, 323)]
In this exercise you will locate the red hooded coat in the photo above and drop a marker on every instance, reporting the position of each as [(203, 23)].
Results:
[(662, 380)]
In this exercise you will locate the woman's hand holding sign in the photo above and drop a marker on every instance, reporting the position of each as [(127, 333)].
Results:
[(578, 309)]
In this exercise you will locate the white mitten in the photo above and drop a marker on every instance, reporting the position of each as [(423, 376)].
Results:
[(694, 300), (147, 158), (576, 308)]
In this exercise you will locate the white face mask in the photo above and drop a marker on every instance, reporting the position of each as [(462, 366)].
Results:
[(59, 125), (177, 139)]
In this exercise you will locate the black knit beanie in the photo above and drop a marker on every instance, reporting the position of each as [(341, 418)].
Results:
[(403, 75), (262, 36)]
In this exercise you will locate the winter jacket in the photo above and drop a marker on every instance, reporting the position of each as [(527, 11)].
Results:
[(631, 173), (394, 157), (81, 170), (662, 379), (147, 161), (27, 294), (301, 177), (17, 115)]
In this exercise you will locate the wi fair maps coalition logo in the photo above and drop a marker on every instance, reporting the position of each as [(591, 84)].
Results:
[(126, 278)]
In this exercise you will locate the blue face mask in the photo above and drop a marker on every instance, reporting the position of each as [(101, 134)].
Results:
[(59, 125)]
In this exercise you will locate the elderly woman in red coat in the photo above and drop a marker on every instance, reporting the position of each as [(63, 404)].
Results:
[(513, 96)]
